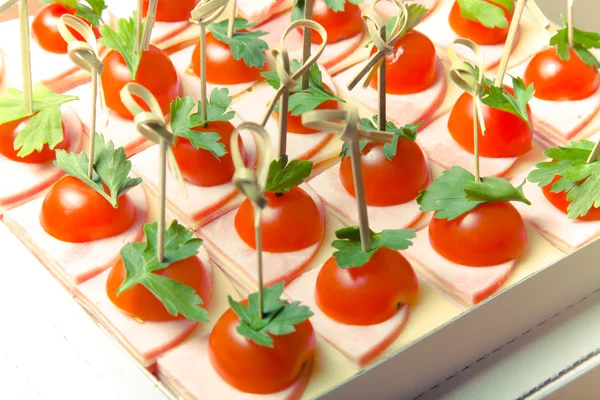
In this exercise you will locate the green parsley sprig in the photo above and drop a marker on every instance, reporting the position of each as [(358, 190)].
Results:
[(582, 43), (92, 11), (485, 12), (141, 264), (416, 12), (455, 193), (334, 5), (123, 41), (279, 317), (284, 176), (245, 44)]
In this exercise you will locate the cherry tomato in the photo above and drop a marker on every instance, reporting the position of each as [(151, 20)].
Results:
[(294, 123), (172, 11), (367, 295), (74, 212), (559, 200), (45, 30), (221, 67), (389, 182), (201, 167), (140, 303), (290, 222), (10, 130), (556, 79), (412, 67), (491, 234), (506, 134), (339, 25), (156, 73), (474, 30), (253, 368)]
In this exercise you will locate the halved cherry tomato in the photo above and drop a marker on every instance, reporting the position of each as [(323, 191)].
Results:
[(45, 30), (202, 168), (290, 222), (389, 182), (295, 122), (253, 368), (339, 25), (412, 67), (491, 234), (474, 30), (74, 212), (556, 79), (156, 73), (10, 130), (221, 67), (370, 294), (559, 200), (506, 134), (140, 303), (172, 11)]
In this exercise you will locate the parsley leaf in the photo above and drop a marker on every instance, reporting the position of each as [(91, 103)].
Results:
[(141, 262), (45, 127), (335, 5), (455, 193), (283, 176), (487, 14), (182, 122), (350, 253), (111, 168), (279, 317), (582, 42), (244, 43), (123, 41), (416, 12), (92, 11)]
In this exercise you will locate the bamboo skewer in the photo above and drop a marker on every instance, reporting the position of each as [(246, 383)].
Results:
[(510, 40)]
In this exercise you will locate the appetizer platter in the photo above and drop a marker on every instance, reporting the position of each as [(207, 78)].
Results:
[(295, 199)]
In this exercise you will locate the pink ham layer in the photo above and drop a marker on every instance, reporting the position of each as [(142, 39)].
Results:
[(332, 55), (566, 234), (443, 150), (470, 284), (329, 187), (202, 204), (238, 259), (387, 9), (360, 344), (21, 182), (74, 263), (188, 370), (143, 340), (401, 109), (260, 10)]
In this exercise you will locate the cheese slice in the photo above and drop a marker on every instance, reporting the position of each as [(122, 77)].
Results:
[(202, 204), (238, 260), (329, 187), (401, 109), (260, 10), (74, 263), (21, 182), (360, 344)]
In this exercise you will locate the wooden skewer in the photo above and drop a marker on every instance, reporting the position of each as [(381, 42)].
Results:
[(231, 26), (570, 22), (150, 21), (510, 40), (203, 90), (381, 87), (26, 56), (306, 44), (162, 196), (138, 27)]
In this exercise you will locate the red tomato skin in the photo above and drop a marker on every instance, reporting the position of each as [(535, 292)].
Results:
[(413, 66), (294, 123), (257, 369), (389, 182), (221, 67), (178, 11), (474, 30), (559, 200), (200, 167), (156, 73), (290, 222), (140, 303), (555, 79), (506, 134), (10, 130), (339, 25), (370, 294), (491, 234), (45, 31), (75, 213)]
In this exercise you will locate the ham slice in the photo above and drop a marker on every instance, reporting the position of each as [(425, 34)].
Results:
[(144, 340), (260, 10), (401, 109), (238, 260), (329, 187), (187, 370), (443, 150), (21, 182), (360, 344), (74, 263), (469, 284), (203, 204)]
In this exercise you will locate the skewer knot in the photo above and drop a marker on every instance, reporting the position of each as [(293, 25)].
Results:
[(207, 11)]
